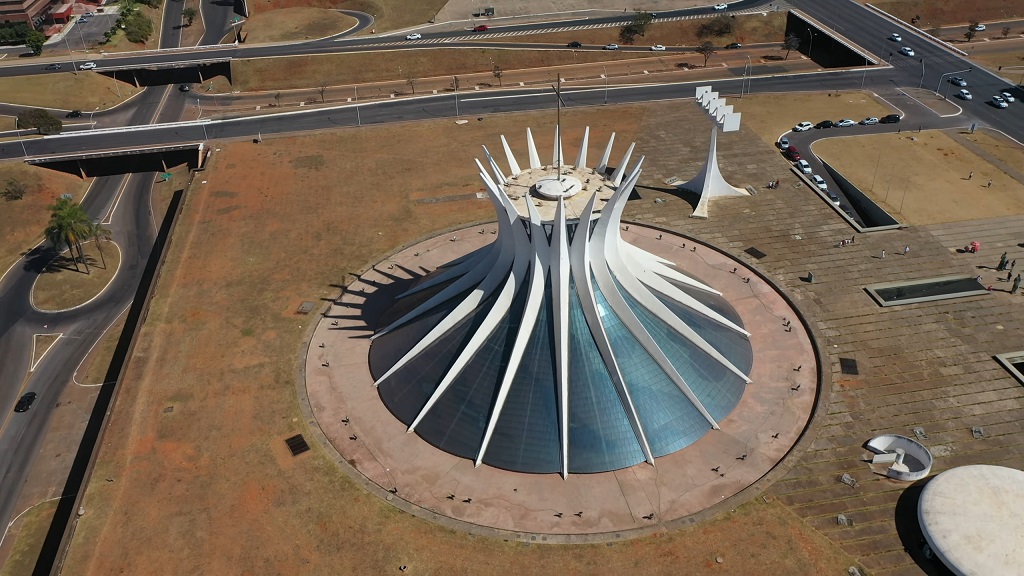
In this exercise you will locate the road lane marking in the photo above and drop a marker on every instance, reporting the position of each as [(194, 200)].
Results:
[(117, 199)]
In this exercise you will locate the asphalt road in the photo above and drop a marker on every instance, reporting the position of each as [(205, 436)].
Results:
[(22, 433)]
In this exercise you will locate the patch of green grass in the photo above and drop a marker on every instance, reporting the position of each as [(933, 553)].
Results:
[(29, 539)]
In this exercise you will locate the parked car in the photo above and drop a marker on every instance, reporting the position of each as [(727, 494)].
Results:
[(979, 27), (721, 6), (611, 46), (869, 121), (25, 402), (657, 48), (74, 114), (907, 51), (783, 143), (87, 66), (574, 44), (895, 37), (792, 153), (819, 182), (890, 119), (965, 95), (52, 67), (733, 46), (480, 28), (414, 36), (845, 122), (803, 166), (998, 102), (803, 127), (833, 198), (1006, 96), (958, 81), (825, 124)]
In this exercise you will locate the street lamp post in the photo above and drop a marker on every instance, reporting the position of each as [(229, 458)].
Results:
[(937, 86), (921, 85), (359, 120), (456, 84), (748, 71), (864, 76), (605, 68), (91, 115), (810, 48), (74, 67), (20, 139)]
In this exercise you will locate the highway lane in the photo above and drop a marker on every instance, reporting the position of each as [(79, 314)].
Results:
[(337, 44), (21, 434)]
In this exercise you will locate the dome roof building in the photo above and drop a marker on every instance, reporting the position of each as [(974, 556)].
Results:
[(559, 347)]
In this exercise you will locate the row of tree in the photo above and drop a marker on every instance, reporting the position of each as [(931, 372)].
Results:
[(70, 226)]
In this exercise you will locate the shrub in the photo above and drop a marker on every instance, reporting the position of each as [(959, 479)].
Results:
[(138, 27), (40, 119)]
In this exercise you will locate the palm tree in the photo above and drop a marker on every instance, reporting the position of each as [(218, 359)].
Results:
[(99, 234), (68, 225)]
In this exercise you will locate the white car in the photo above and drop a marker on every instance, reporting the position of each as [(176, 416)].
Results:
[(965, 95), (998, 102), (783, 143), (819, 182), (979, 28), (869, 121), (958, 81), (87, 66), (721, 6), (895, 37), (611, 46), (845, 122), (803, 127), (833, 198), (907, 51), (415, 36), (657, 48), (1007, 96), (803, 166)]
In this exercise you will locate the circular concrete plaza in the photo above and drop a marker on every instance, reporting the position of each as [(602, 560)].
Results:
[(772, 414)]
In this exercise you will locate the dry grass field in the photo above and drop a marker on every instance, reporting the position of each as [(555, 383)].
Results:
[(387, 14), (22, 221), (295, 24), (289, 217), (924, 176), (61, 286), (950, 12), (83, 91)]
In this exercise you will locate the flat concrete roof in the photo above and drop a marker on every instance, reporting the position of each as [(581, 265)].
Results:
[(973, 519)]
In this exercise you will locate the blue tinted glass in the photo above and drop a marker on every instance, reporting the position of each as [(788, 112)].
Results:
[(713, 301), (715, 386), (731, 344), (525, 438), (669, 420), (600, 436)]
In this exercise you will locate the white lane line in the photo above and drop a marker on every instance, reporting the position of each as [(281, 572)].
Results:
[(117, 200)]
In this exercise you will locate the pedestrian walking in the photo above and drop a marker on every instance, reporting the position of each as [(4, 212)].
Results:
[(989, 185), (883, 253), (971, 175), (905, 250), (852, 238), (1009, 275), (1016, 284), (1002, 263)]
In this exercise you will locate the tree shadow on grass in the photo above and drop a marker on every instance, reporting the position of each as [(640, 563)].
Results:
[(63, 262)]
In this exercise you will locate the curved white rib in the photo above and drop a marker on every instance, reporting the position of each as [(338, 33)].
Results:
[(513, 166), (625, 314), (617, 175), (534, 299), (453, 269), (490, 322), (494, 168), (603, 166), (474, 276), (579, 256), (558, 263), (664, 268), (608, 228), (656, 282), (532, 148), (581, 158)]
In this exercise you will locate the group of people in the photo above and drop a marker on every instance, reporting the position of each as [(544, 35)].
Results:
[(773, 184)]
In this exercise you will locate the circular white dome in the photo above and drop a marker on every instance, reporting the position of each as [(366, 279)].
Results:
[(555, 187)]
